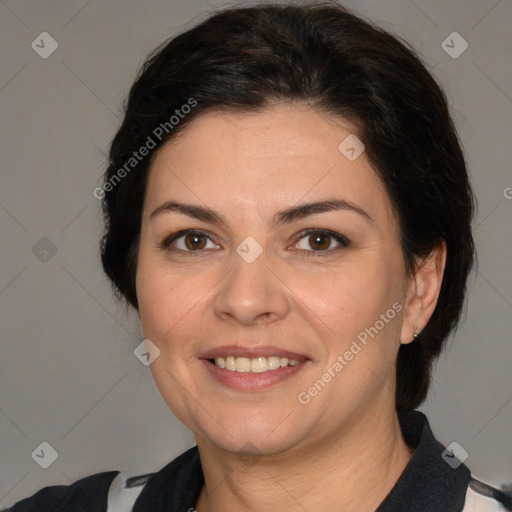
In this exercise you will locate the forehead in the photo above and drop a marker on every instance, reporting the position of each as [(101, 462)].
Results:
[(279, 156)]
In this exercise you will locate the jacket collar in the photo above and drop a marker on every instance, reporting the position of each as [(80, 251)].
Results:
[(428, 483)]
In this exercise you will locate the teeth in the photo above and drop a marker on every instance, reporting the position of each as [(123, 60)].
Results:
[(259, 364), (273, 362), (256, 365), (242, 364)]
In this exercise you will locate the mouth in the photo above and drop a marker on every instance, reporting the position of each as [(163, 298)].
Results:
[(252, 369), (255, 365)]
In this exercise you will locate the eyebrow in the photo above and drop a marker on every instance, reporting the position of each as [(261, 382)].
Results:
[(294, 213)]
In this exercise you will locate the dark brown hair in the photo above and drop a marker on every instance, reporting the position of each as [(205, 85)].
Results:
[(245, 59)]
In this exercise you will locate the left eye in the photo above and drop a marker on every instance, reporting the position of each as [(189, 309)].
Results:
[(321, 241), (190, 241)]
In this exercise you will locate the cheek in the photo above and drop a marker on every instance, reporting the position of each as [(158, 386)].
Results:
[(363, 308), (173, 309), (354, 297), (153, 298), (162, 300), (166, 310)]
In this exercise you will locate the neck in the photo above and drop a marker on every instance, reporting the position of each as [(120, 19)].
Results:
[(353, 471)]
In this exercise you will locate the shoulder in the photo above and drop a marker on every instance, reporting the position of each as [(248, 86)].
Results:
[(118, 491), (125, 490), (175, 486), (88, 494), (482, 497)]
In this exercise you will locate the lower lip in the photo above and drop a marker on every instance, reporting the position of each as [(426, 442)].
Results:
[(248, 381)]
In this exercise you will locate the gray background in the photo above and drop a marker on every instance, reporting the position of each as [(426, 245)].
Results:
[(68, 375)]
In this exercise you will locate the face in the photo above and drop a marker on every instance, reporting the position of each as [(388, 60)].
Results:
[(271, 278)]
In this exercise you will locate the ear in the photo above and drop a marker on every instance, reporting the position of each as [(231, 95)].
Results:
[(422, 292)]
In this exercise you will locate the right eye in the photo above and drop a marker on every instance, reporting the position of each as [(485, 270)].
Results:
[(188, 241)]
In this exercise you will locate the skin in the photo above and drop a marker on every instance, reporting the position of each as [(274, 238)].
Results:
[(265, 450)]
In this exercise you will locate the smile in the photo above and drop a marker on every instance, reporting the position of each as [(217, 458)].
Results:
[(254, 365), (252, 368)]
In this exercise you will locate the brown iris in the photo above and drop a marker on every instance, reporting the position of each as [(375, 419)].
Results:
[(195, 241), (319, 241)]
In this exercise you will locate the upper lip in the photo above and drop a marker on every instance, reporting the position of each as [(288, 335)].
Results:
[(251, 353)]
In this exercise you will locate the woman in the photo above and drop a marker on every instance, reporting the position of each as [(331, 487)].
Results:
[(288, 208)]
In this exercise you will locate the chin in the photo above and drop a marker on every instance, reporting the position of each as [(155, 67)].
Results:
[(252, 435)]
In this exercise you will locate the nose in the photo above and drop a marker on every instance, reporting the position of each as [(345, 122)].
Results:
[(252, 293)]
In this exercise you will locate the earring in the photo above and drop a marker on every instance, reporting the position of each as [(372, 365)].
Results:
[(416, 333)]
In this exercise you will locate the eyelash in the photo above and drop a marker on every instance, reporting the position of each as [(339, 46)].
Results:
[(166, 242), (341, 239)]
